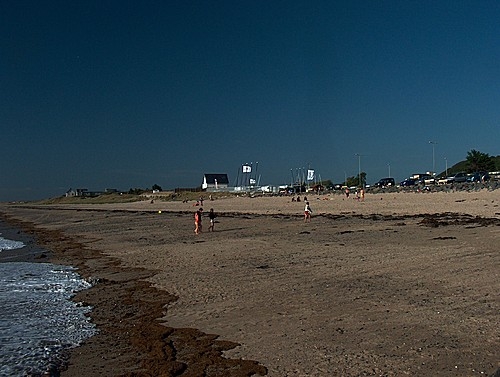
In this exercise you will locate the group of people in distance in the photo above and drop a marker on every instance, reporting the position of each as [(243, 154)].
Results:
[(360, 196), (198, 220)]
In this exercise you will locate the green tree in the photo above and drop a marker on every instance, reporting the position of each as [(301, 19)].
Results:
[(327, 183), (351, 181), (363, 179), (156, 187), (135, 191), (477, 161), (355, 181)]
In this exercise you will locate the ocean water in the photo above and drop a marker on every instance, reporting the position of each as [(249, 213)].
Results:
[(38, 321), (6, 244)]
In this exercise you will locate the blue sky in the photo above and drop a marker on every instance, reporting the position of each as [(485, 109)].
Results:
[(121, 94)]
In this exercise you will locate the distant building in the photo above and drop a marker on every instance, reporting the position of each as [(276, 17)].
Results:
[(82, 193), (215, 181), (76, 192)]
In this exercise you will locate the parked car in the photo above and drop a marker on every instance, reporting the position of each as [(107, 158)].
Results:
[(385, 182), (426, 179), (429, 181), (459, 177), (445, 180), (479, 176), (408, 182)]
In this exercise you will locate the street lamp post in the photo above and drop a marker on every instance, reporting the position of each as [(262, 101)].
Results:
[(389, 166), (433, 143), (446, 165), (359, 171)]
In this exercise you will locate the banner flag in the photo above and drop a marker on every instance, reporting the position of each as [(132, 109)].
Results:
[(247, 169), (310, 175)]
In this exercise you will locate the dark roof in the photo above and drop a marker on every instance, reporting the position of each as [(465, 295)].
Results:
[(221, 179)]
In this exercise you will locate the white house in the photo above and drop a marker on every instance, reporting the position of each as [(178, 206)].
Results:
[(215, 181)]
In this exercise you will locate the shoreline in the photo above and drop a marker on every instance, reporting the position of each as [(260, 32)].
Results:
[(30, 252), (126, 311), (161, 291)]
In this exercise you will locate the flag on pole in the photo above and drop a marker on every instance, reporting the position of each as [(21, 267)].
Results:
[(247, 169), (310, 175)]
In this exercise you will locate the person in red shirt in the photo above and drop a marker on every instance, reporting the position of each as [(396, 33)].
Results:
[(197, 221)]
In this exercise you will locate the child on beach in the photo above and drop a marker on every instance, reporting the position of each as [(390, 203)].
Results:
[(211, 216), (307, 212), (197, 221)]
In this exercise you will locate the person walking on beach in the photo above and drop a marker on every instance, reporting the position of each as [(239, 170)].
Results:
[(197, 221), (360, 195), (307, 212), (211, 216)]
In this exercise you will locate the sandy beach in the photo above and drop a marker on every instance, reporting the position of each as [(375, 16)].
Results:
[(399, 284)]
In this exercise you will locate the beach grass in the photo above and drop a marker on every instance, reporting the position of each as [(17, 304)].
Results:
[(101, 199), (130, 198)]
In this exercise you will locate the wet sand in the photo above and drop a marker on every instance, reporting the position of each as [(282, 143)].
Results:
[(400, 284), (31, 252)]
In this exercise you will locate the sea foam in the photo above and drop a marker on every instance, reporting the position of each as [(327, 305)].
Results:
[(38, 320)]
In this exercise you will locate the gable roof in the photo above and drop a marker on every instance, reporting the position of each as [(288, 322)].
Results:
[(222, 179)]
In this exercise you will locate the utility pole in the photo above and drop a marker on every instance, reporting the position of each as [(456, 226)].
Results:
[(433, 143)]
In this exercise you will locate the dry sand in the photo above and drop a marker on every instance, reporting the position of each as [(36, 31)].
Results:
[(400, 284)]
